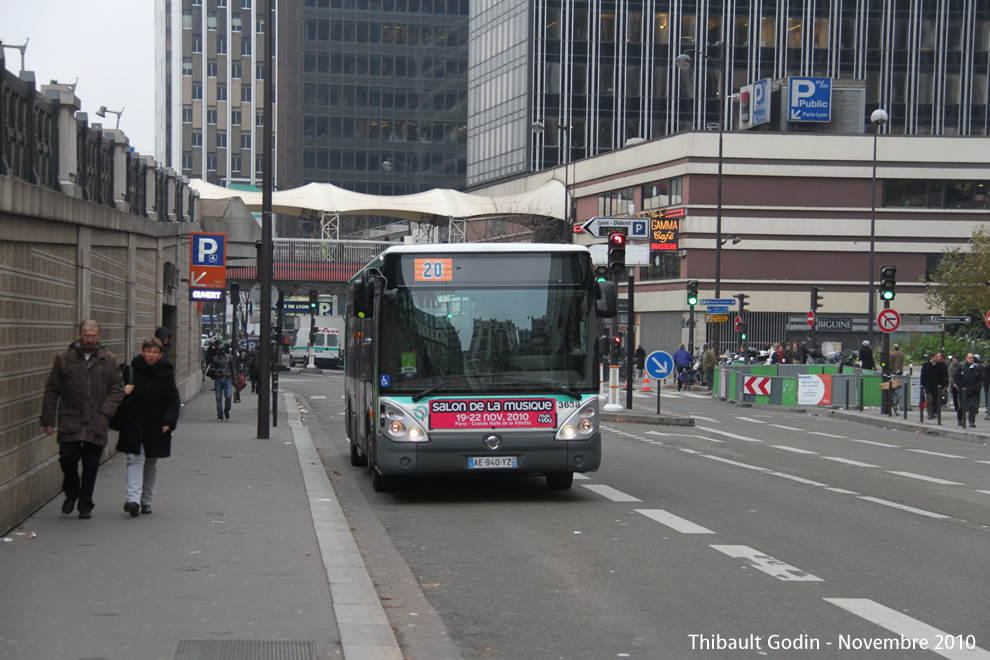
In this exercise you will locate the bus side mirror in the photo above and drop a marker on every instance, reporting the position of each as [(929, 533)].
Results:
[(607, 299), (364, 298)]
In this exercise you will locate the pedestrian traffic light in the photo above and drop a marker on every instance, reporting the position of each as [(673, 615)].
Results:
[(742, 332), (313, 301), (616, 251), (692, 293), (816, 298), (888, 280), (741, 297)]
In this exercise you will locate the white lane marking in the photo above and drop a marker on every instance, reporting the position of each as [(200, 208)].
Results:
[(903, 507), (676, 523), (611, 493), (767, 564), (736, 463), (802, 480), (318, 396), (750, 419), (922, 477), (696, 396), (827, 435), (987, 462), (907, 627), (707, 419), (786, 428), (689, 451), (842, 490), (935, 453), (985, 492), (795, 450), (849, 462), (581, 476), (727, 434), (875, 444)]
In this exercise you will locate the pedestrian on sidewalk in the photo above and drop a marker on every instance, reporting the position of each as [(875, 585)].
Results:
[(640, 362), (222, 371), (866, 357), (682, 361), (953, 370), (164, 335), (934, 377), (83, 391), (708, 361), (969, 380), (151, 411)]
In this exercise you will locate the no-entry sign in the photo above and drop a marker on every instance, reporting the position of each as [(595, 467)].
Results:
[(811, 319)]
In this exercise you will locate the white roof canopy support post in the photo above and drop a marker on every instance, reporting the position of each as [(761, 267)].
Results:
[(458, 230), (330, 225)]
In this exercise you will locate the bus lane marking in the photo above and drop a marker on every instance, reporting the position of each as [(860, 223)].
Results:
[(727, 434), (767, 564), (676, 523), (921, 477), (611, 493), (908, 628), (847, 461)]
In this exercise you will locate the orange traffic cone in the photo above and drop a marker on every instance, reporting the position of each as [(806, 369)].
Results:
[(646, 383)]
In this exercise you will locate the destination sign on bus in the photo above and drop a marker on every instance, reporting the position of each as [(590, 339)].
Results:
[(492, 413)]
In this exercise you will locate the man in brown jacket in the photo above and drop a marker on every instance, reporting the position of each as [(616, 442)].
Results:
[(84, 388)]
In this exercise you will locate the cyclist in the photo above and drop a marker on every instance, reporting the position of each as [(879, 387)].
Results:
[(682, 362)]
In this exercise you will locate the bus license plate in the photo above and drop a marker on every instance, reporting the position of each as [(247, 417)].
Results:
[(484, 462)]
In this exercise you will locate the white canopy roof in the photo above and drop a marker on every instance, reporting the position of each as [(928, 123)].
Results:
[(546, 200)]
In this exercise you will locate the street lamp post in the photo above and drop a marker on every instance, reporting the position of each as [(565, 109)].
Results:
[(878, 118), (683, 62), (565, 132)]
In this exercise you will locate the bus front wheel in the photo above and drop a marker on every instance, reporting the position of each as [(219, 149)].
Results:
[(560, 480)]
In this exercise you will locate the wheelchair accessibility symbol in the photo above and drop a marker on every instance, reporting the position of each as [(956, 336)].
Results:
[(384, 381)]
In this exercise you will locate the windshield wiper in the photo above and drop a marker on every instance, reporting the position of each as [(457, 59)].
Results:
[(430, 390), (552, 387)]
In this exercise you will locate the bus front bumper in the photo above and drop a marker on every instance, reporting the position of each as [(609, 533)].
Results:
[(534, 453)]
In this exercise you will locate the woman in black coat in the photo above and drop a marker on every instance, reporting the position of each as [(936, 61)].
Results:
[(151, 411)]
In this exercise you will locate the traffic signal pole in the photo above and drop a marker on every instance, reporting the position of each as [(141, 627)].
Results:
[(630, 338)]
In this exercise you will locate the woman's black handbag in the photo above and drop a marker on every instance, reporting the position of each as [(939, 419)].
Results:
[(117, 421)]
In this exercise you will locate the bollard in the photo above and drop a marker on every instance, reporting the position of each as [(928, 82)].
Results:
[(859, 381), (847, 394)]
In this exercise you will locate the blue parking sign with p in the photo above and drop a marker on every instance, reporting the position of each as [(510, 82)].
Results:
[(208, 249)]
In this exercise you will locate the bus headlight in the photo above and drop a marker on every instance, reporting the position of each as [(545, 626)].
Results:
[(399, 424), (582, 424)]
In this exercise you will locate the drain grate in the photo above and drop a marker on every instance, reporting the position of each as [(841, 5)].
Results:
[(243, 649)]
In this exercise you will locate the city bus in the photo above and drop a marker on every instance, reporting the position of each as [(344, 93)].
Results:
[(475, 358)]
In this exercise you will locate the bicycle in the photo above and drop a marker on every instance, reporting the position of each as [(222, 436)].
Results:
[(685, 377)]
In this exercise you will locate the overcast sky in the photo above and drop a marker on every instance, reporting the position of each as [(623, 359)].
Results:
[(108, 44)]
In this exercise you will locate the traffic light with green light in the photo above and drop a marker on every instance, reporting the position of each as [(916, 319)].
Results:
[(692, 293), (313, 301), (888, 282)]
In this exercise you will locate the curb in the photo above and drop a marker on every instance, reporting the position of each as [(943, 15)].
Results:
[(365, 631), (641, 418), (899, 424)]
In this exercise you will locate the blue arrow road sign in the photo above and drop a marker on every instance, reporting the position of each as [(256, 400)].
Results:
[(809, 99), (718, 309), (659, 364)]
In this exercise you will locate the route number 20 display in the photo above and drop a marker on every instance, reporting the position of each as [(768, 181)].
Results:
[(434, 270)]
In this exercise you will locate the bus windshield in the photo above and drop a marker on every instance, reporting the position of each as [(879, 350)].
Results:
[(469, 323)]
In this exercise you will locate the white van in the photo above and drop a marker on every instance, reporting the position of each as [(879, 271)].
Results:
[(326, 349)]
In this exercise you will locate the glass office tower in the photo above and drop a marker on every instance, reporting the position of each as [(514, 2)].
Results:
[(373, 94)]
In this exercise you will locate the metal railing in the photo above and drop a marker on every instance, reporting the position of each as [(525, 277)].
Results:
[(323, 259)]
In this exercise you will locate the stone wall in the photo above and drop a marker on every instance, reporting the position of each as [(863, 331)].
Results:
[(63, 259)]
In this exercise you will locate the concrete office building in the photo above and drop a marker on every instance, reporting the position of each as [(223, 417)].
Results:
[(605, 70)]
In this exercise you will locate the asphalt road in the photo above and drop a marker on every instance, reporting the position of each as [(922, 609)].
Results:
[(757, 533)]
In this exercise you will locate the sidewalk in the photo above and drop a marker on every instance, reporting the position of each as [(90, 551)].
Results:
[(247, 554), (948, 429)]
